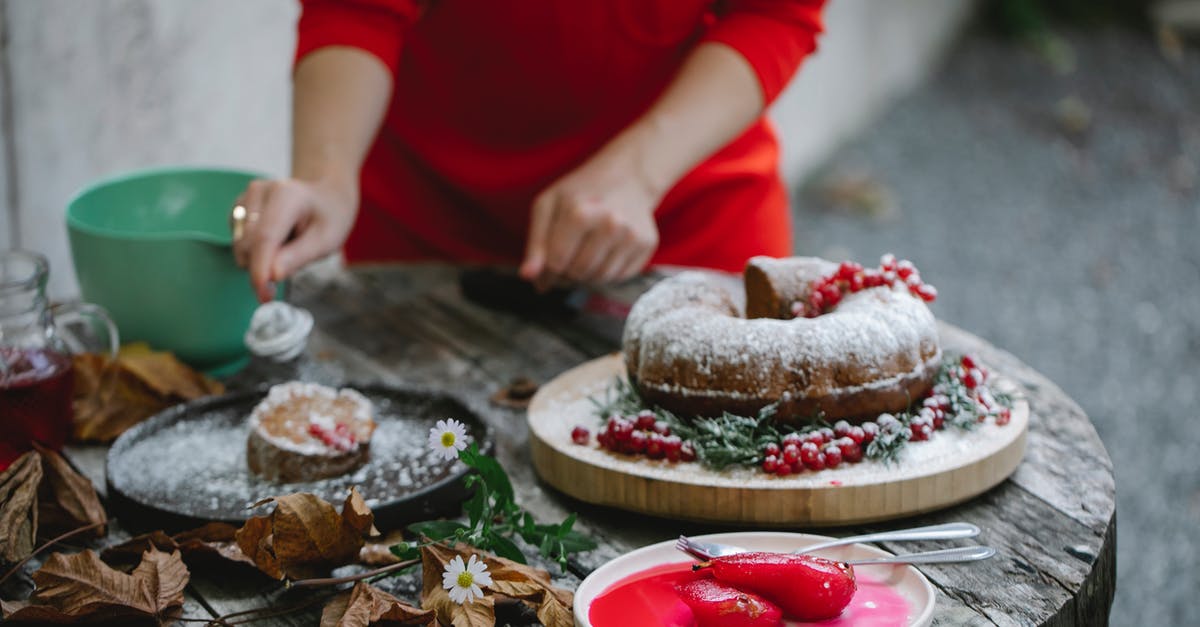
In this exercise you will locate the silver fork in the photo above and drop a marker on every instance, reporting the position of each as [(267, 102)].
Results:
[(943, 556), (948, 531)]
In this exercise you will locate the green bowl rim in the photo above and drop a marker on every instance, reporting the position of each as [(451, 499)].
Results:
[(75, 223)]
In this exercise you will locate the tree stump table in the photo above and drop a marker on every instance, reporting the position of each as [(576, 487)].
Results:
[(1052, 522)]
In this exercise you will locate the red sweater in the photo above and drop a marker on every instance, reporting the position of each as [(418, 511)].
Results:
[(495, 100)]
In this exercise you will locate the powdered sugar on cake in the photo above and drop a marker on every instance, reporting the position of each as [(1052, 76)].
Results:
[(297, 404), (687, 339)]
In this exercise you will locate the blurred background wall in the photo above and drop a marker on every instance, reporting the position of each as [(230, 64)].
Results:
[(95, 88)]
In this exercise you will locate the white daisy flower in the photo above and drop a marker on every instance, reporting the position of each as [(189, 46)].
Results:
[(463, 580), (448, 438)]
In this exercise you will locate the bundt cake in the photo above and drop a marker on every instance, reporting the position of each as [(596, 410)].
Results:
[(306, 431), (816, 338)]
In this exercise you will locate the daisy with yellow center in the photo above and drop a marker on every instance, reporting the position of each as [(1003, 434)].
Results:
[(448, 438), (464, 580)]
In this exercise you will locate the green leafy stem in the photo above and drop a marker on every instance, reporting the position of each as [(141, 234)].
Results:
[(494, 520)]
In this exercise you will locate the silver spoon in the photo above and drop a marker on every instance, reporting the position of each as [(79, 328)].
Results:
[(944, 556), (948, 531)]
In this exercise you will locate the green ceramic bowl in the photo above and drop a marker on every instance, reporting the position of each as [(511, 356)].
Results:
[(153, 247)]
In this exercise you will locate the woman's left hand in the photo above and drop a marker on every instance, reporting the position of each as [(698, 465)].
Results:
[(595, 225)]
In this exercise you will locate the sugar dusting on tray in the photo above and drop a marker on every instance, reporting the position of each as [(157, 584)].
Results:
[(198, 464)]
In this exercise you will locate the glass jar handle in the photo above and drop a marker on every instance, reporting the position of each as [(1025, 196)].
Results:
[(93, 318)]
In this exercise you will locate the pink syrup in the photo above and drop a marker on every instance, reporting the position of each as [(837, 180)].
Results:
[(647, 598)]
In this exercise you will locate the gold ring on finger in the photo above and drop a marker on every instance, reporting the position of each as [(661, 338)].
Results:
[(237, 222)]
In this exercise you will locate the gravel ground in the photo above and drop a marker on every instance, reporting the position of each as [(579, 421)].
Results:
[(1058, 212)]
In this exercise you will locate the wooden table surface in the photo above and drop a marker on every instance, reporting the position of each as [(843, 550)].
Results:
[(1053, 522)]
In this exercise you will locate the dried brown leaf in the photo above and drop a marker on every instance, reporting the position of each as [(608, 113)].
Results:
[(255, 540), (168, 377), (128, 554), (80, 587), (66, 499), (366, 605), (477, 613), (357, 515), (212, 544), (304, 536), (378, 552), (19, 507), (216, 542), (533, 587), (112, 395)]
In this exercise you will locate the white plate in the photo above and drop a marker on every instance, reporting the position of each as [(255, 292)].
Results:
[(906, 581)]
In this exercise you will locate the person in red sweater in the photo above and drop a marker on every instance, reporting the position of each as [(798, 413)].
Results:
[(578, 141)]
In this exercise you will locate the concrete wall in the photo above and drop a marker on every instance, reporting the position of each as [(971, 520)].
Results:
[(98, 87)]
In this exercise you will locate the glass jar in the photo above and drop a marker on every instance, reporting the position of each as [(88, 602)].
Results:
[(36, 343)]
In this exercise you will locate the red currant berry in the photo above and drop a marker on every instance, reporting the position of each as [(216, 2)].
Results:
[(870, 430), (672, 447), (857, 283), (857, 434), (783, 469), (620, 430), (833, 455), (637, 443), (826, 435), (968, 362), (889, 277), (816, 301), (841, 428), (927, 292), (769, 464), (847, 270), (1004, 416), (645, 420), (791, 453), (771, 449), (832, 295), (580, 435), (808, 452), (654, 446), (818, 462), (687, 452), (914, 283), (851, 451), (799, 310), (605, 440), (939, 419), (662, 428), (793, 438), (921, 432), (888, 262), (872, 279), (905, 269), (972, 378)]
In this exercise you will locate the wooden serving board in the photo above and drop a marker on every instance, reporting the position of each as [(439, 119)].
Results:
[(951, 467)]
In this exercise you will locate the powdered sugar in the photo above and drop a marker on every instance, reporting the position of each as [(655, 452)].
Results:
[(194, 463)]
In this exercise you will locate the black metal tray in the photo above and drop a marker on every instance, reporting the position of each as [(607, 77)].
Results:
[(187, 465)]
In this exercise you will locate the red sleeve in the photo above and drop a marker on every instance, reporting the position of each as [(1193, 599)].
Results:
[(376, 26), (773, 35)]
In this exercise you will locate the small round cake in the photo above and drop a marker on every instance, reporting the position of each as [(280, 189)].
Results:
[(305, 431), (692, 349)]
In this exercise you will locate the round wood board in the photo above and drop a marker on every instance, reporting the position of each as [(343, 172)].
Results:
[(187, 465), (949, 468)]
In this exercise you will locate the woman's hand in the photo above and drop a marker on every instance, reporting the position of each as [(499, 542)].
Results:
[(289, 223), (595, 225)]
